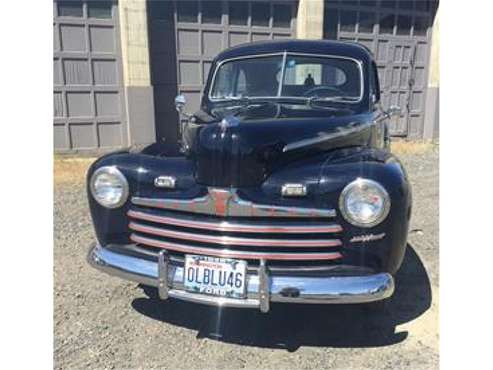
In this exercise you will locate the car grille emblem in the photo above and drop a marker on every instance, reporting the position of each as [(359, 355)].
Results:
[(220, 198)]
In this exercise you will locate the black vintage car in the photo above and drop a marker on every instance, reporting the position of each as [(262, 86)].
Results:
[(283, 188)]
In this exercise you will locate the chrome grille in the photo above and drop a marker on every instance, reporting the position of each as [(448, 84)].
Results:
[(297, 237)]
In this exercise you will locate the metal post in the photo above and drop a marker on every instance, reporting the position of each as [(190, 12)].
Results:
[(263, 287), (163, 274)]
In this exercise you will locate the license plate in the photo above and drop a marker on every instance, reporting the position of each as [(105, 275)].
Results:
[(222, 277)]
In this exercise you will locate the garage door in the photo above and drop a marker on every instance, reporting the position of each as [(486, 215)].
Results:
[(186, 36), (87, 76), (399, 34)]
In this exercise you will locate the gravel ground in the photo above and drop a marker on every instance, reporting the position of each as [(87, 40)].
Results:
[(104, 322)]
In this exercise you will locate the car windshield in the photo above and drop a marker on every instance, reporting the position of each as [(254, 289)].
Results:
[(329, 78)]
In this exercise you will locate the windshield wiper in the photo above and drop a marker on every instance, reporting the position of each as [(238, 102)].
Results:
[(239, 105), (244, 102), (314, 101), (341, 99)]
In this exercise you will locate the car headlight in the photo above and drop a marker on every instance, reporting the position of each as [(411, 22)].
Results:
[(364, 203), (109, 187)]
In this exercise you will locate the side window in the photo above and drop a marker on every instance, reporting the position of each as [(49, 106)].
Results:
[(223, 84), (374, 85), (241, 87)]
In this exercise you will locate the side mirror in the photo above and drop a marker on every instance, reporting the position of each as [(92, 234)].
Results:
[(394, 110), (180, 102)]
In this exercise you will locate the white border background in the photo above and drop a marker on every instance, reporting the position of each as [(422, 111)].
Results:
[(466, 180), (466, 167), (26, 185)]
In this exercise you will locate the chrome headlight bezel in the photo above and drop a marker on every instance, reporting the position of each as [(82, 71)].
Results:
[(360, 184), (113, 171)]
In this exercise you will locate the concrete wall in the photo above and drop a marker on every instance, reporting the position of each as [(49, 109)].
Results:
[(310, 19), (136, 72)]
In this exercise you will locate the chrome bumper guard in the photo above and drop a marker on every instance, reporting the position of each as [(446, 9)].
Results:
[(262, 288)]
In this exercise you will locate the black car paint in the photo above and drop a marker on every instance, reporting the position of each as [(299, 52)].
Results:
[(250, 157)]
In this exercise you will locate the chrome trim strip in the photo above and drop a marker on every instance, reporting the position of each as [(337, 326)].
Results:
[(252, 56), (233, 240), (320, 290), (163, 261), (320, 139), (229, 226), (263, 287), (283, 70), (226, 202), (228, 253)]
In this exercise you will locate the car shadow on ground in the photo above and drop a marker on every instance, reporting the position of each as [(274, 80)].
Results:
[(292, 326)]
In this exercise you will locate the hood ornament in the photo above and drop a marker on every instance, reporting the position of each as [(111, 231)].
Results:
[(229, 121)]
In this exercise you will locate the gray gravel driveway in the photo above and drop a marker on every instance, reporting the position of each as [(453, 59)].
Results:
[(104, 322)]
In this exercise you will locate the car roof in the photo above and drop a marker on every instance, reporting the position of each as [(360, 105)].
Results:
[(329, 47)]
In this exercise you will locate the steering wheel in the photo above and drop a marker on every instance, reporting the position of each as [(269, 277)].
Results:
[(326, 91)]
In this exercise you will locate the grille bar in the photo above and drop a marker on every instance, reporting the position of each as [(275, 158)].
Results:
[(228, 226), (228, 253), (228, 203), (230, 240)]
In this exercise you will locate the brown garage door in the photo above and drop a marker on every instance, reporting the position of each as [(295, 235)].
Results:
[(87, 76), (185, 36), (399, 35)]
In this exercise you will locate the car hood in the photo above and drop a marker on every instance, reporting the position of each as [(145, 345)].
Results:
[(242, 148)]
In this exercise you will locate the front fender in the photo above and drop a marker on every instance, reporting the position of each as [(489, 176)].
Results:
[(326, 176)]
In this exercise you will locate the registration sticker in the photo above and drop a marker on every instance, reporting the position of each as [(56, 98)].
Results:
[(221, 277)]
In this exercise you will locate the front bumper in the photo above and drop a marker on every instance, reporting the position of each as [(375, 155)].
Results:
[(262, 288)]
